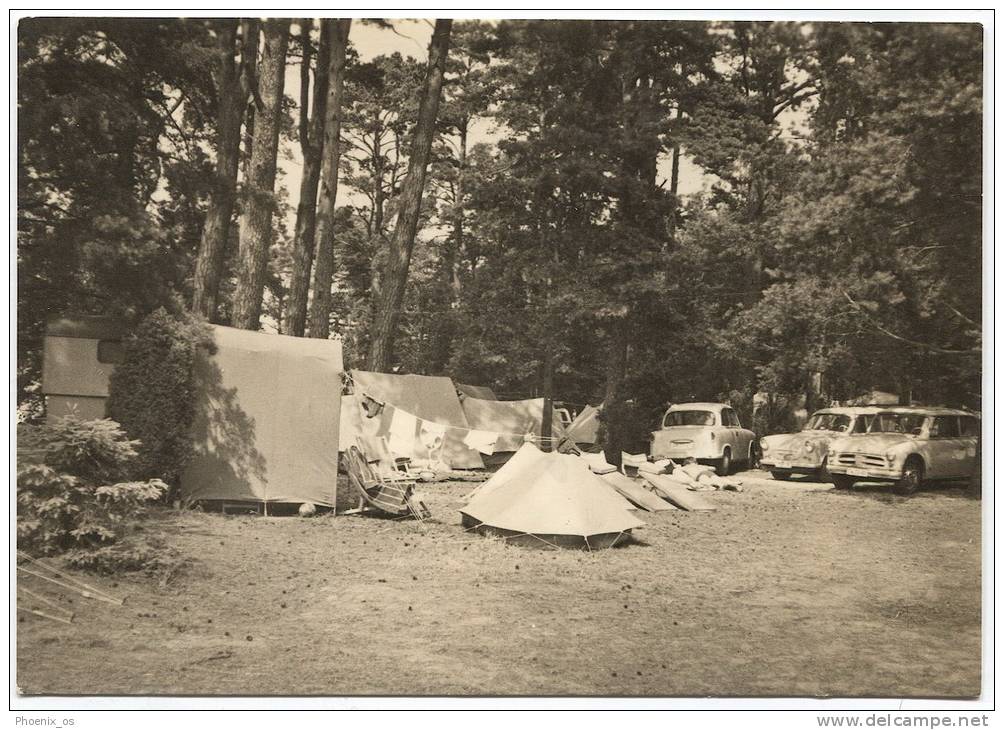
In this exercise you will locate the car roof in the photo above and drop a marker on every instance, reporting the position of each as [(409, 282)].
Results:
[(924, 410), (852, 410), (709, 406)]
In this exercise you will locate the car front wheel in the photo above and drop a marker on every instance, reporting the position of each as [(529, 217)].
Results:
[(911, 478), (823, 473), (781, 476), (842, 481)]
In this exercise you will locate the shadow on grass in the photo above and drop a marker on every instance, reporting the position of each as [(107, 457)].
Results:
[(884, 492)]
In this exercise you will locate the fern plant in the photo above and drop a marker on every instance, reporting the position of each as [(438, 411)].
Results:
[(74, 486)]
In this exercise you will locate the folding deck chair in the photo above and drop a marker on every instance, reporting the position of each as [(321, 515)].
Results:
[(378, 455), (388, 495)]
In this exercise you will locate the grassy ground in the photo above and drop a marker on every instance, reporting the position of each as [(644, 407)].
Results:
[(787, 589)]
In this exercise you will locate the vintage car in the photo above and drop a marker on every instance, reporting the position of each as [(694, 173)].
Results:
[(807, 451), (707, 432), (907, 446)]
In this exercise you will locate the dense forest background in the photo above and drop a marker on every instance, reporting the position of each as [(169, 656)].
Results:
[(508, 208)]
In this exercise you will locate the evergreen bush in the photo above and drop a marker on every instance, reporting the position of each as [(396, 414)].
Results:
[(152, 392), (75, 488)]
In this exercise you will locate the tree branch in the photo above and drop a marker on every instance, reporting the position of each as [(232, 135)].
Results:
[(914, 343)]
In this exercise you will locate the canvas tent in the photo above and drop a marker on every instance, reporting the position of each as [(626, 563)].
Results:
[(584, 429), (477, 391), (429, 398), (511, 419), (267, 418), (546, 498)]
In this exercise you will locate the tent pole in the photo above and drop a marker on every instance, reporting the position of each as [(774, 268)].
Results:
[(545, 425)]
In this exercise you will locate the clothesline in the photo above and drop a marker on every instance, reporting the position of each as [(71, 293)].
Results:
[(359, 392)]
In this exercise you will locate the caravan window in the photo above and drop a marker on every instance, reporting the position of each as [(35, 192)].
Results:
[(110, 352)]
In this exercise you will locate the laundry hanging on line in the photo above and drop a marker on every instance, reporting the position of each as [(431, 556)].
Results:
[(483, 441), (402, 433), (431, 434)]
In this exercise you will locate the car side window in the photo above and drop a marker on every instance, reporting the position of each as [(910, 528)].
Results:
[(945, 427), (729, 419), (970, 426)]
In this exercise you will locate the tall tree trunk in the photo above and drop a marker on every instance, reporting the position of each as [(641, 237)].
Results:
[(458, 217), (402, 241), (324, 232), (233, 87), (377, 241), (639, 107), (616, 364), (311, 143), (674, 185), (256, 218)]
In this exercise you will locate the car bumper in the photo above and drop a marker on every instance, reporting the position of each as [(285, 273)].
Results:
[(888, 473), (678, 452), (795, 467)]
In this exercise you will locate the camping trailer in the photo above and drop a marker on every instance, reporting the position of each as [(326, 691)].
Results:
[(78, 357)]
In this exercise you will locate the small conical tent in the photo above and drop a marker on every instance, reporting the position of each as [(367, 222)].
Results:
[(585, 428), (553, 499)]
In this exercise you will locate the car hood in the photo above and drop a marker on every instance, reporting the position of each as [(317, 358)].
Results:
[(872, 443), (796, 441)]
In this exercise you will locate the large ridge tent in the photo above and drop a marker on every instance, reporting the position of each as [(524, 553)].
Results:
[(511, 419), (267, 419), (477, 391), (546, 498), (432, 399)]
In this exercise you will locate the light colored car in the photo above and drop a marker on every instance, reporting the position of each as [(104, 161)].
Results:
[(907, 446), (807, 451), (707, 432)]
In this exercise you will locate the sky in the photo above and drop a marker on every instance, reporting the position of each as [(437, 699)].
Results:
[(411, 38)]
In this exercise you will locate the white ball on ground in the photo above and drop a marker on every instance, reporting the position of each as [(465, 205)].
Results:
[(307, 510)]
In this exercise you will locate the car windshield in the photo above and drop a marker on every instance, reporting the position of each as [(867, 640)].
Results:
[(828, 422), (906, 423), (689, 418)]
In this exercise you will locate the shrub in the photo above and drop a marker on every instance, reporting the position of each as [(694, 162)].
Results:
[(624, 426), (150, 557), (152, 392), (75, 491)]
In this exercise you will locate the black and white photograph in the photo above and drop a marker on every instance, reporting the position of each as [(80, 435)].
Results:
[(635, 356)]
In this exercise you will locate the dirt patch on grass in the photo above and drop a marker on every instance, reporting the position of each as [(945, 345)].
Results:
[(787, 589)]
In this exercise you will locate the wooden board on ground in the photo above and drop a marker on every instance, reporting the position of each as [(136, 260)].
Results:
[(677, 493), (636, 493)]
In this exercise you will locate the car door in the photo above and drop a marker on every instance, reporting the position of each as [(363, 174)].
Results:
[(969, 427), (730, 435), (744, 437), (946, 449)]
